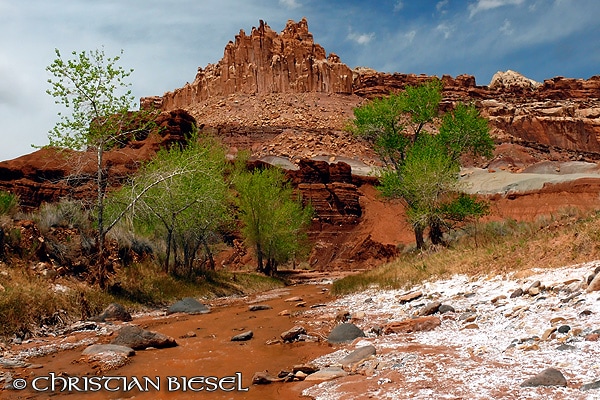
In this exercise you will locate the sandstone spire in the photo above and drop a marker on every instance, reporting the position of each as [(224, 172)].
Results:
[(265, 62)]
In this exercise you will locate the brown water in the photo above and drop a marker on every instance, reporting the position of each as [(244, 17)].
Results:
[(210, 354)]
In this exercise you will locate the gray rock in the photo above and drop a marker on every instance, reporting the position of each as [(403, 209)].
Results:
[(445, 308), (188, 305), (139, 339), (242, 337), (430, 308), (327, 374), (259, 307), (106, 348), (566, 347), (345, 332), (357, 356), (114, 312), (11, 363), (564, 329), (590, 386), (517, 293), (293, 334), (548, 377)]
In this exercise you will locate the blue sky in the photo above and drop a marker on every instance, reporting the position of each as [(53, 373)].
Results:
[(166, 41)]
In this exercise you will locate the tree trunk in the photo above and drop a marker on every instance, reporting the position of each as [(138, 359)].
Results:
[(100, 181), (168, 251), (259, 258), (419, 232), (435, 233)]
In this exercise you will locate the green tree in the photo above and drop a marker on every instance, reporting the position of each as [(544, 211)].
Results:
[(181, 193), (274, 221), (424, 168), (94, 89)]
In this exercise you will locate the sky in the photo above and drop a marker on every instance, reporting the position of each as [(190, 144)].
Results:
[(166, 41)]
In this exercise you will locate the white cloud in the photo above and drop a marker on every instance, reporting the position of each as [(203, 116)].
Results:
[(398, 6), (291, 4), (445, 30), (506, 28), (484, 5), (441, 5), (361, 38)]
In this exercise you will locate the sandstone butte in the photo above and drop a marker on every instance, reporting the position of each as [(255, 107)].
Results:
[(280, 94)]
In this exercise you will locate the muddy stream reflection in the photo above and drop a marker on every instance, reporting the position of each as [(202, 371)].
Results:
[(210, 353)]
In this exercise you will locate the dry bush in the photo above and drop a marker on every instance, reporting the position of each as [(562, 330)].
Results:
[(492, 248)]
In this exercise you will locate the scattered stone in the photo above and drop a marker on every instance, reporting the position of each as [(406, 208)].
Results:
[(10, 364), (517, 293), (259, 307), (305, 368), (427, 323), (242, 337), (471, 326), (264, 378), (592, 337), (410, 296), (293, 334), (108, 348), (301, 304), (327, 374), (566, 347), (285, 313), (534, 291), (318, 305), (556, 320), (467, 317), (594, 285), (345, 332), (114, 312), (294, 299), (430, 308), (357, 356), (300, 375), (498, 298), (564, 329), (590, 386), (548, 377), (342, 316), (188, 335), (139, 339), (585, 313), (188, 305), (80, 326), (444, 308), (546, 335), (308, 338)]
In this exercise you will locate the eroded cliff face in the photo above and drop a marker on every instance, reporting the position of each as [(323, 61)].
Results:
[(265, 62)]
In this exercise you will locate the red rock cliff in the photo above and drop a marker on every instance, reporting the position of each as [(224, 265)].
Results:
[(266, 62)]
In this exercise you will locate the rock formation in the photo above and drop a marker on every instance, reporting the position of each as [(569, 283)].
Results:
[(265, 62)]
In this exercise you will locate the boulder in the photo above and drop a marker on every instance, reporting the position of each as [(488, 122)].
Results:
[(293, 334), (548, 377), (426, 323), (357, 356), (345, 332), (114, 312), (327, 374), (188, 305), (242, 337), (139, 339), (108, 348)]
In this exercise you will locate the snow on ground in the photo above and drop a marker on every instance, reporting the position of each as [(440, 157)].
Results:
[(490, 360)]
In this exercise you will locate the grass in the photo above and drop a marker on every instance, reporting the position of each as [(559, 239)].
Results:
[(488, 249), (28, 300)]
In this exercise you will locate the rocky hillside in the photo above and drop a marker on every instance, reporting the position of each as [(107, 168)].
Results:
[(282, 97)]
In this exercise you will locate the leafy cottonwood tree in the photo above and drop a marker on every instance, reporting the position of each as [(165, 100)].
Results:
[(421, 167), (274, 221), (185, 197), (94, 88)]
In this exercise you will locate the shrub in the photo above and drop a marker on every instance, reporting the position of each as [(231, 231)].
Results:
[(9, 203), (65, 213)]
